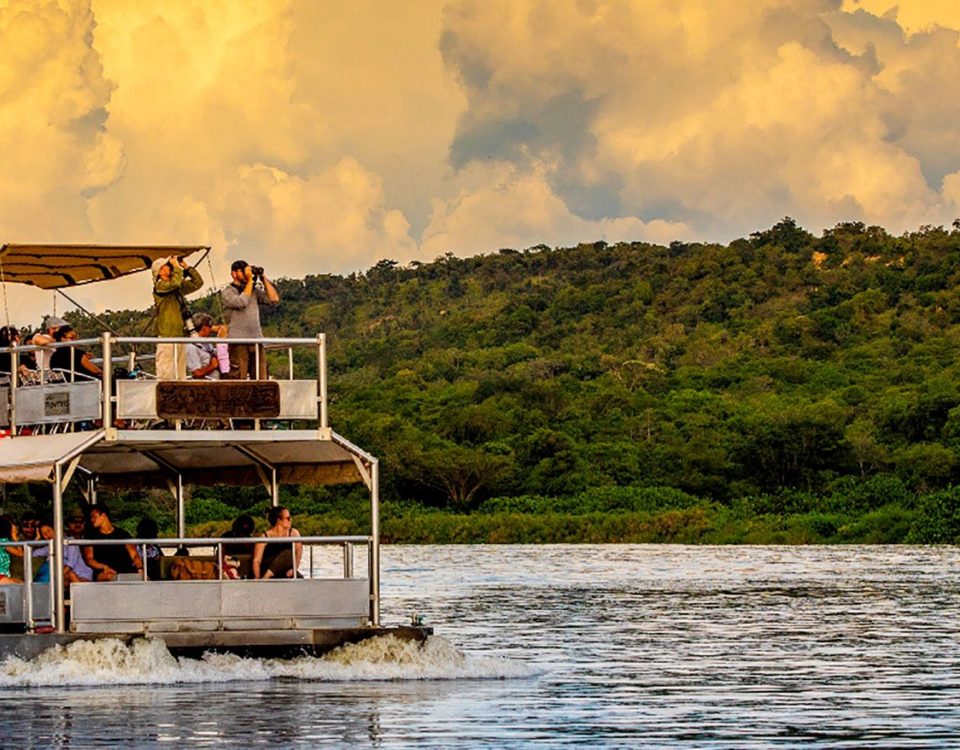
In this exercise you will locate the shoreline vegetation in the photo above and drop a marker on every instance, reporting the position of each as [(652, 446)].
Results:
[(878, 511), (782, 388)]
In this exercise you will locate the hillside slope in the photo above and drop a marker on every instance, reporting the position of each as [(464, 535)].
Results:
[(782, 361)]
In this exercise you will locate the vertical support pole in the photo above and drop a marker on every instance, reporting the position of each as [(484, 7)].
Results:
[(347, 560), (181, 510), (322, 375), (28, 585), (92, 491), (14, 376), (274, 487), (290, 363), (374, 573), (107, 385), (56, 564)]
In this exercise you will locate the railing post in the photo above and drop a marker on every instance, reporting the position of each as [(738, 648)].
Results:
[(347, 560), (14, 377), (28, 583), (181, 509), (107, 410), (56, 564), (374, 572), (322, 375)]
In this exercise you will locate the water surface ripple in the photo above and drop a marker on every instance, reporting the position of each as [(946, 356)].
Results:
[(615, 645)]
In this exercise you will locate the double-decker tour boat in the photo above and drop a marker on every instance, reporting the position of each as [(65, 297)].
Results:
[(140, 433)]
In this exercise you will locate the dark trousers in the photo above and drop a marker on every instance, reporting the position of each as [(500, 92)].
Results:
[(243, 358)]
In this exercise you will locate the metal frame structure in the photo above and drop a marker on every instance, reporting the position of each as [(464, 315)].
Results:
[(172, 455)]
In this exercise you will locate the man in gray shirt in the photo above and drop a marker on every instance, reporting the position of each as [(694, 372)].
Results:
[(242, 300)]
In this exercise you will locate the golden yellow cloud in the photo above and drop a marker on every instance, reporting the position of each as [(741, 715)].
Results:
[(912, 15), (328, 135)]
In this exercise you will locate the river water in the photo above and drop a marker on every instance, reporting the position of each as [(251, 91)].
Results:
[(588, 645)]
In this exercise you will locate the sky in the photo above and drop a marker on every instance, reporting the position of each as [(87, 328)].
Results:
[(320, 136)]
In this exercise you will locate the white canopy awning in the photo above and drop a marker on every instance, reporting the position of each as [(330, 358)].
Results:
[(139, 460), (33, 458)]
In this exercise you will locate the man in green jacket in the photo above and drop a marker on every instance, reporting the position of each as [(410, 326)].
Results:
[(172, 279)]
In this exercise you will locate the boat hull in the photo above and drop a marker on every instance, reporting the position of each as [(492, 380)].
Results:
[(257, 643)]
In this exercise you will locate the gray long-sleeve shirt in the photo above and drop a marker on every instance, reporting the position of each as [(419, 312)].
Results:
[(243, 311)]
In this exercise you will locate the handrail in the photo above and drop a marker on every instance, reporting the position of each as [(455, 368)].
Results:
[(273, 340), (209, 541), (34, 412), (347, 541), (280, 340), (28, 575)]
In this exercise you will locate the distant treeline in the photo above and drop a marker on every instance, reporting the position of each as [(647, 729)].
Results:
[(768, 377)]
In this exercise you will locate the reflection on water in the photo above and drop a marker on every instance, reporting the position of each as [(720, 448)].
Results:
[(617, 645)]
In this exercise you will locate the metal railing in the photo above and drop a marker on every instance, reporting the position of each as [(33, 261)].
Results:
[(131, 352), (347, 543), (28, 582)]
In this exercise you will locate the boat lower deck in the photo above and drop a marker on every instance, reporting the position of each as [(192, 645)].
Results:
[(255, 643)]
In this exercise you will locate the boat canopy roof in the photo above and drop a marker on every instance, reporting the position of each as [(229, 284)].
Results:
[(199, 458), (60, 266)]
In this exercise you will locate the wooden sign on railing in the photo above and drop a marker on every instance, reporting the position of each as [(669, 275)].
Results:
[(218, 399)]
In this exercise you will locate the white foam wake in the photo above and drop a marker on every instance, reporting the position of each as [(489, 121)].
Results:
[(111, 662)]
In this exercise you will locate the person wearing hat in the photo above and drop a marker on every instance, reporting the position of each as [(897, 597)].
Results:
[(172, 279), (72, 553), (51, 324)]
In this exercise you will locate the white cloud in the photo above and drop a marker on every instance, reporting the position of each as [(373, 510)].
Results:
[(508, 208), (723, 116), (330, 222), (326, 136)]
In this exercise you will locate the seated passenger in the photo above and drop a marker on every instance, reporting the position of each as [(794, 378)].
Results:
[(72, 359), (72, 553), (9, 337), (240, 552), (8, 533), (29, 530), (242, 529), (43, 553), (109, 560), (147, 529), (202, 362), (275, 560)]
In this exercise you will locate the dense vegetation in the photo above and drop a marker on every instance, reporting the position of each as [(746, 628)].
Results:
[(784, 387)]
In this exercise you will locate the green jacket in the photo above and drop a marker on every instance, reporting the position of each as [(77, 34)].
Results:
[(167, 296)]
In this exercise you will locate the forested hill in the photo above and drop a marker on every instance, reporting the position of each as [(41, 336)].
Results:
[(784, 360)]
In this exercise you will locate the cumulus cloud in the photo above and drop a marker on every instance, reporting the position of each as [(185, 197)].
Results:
[(56, 152), (326, 136), (722, 116), (911, 15), (516, 209), (333, 221), (239, 127)]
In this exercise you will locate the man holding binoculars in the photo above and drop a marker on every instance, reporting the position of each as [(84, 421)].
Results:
[(242, 299)]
